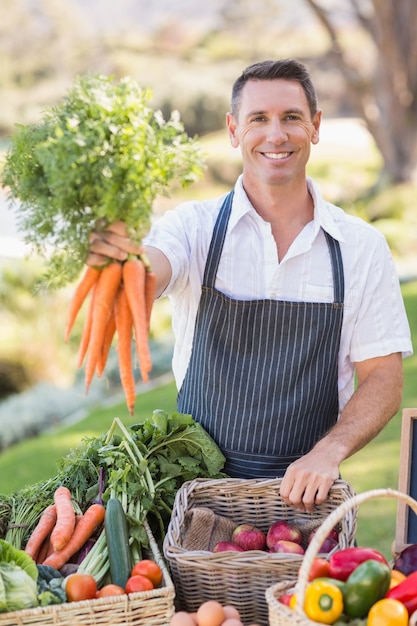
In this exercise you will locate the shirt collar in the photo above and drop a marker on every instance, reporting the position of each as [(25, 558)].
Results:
[(323, 216)]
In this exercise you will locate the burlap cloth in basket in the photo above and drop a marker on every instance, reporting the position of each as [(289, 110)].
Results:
[(203, 528), (280, 614)]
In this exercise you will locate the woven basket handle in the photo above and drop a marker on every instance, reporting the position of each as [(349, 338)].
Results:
[(331, 520)]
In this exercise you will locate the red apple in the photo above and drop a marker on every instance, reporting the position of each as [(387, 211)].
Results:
[(333, 534), (282, 530), (224, 546), (249, 537), (290, 547), (327, 546)]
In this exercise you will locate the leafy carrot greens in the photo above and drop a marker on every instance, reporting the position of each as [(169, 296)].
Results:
[(101, 155)]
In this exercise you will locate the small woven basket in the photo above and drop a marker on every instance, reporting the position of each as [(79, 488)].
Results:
[(241, 578), (145, 608), (282, 615)]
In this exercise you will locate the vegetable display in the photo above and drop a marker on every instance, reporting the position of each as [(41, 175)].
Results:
[(372, 595), (99, 158), (141, 466)]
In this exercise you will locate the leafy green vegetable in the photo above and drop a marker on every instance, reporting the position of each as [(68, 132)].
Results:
[(10, 554), (18, 590), (100, 156), (50, 586)]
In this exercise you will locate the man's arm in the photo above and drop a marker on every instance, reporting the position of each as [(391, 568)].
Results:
[(114, 243), (376, 400)]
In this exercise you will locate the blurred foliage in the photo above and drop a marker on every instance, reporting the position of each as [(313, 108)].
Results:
[(187, 67)]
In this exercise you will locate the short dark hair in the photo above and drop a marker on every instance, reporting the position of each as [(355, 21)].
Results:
[(288, 69)]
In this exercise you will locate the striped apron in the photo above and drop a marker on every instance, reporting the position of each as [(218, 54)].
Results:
[(262, 376)]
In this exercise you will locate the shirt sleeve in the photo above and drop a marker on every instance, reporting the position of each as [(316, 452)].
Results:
[(381, 326), (171, 237)]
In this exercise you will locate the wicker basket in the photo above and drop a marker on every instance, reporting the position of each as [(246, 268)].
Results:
[(241, 578), (282, 615), (145, 608)]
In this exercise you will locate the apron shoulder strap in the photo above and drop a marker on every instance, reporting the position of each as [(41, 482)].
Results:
[(337, 267), (217, 241)]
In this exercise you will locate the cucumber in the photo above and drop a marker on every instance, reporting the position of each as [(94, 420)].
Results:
[(117, 539)]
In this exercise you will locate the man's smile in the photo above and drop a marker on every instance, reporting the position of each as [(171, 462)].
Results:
[(277, 155)]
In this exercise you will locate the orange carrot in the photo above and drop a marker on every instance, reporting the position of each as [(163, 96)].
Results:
[(150, 291), (134, 282), (85, 336), (108, 340), (83, 288), (65, 518), (45, 549), (41, 531), (123, 317), (106, 290), (92, 518)]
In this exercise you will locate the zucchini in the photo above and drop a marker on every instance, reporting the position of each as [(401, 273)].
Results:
[(117, 539)]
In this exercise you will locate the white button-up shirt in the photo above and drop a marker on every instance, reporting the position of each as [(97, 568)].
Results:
[(374, 322)]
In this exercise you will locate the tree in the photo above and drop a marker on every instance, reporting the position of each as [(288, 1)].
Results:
[(384, 91)]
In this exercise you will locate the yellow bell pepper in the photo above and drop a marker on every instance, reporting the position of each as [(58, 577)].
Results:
[(388, 612), (323, 602)]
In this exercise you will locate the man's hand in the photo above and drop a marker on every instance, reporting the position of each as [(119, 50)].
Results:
[(307, 481), (112, 243), (376, 400)]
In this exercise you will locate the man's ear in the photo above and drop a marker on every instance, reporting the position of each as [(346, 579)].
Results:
[(232, 128), (315, 137)]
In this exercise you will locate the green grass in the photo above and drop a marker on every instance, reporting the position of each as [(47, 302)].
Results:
[(376, 466)]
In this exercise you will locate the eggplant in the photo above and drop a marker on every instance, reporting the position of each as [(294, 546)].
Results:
[(406, 560)]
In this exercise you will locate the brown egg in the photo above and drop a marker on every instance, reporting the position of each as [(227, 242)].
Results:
[(231, 611), (210, 613), (182, 618)]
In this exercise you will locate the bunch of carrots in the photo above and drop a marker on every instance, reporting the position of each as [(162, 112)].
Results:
[(60, 533), (121, 297)]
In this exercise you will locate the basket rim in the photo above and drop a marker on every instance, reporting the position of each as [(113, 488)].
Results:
[(174, 552)]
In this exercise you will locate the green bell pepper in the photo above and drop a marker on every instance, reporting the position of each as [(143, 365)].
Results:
[(368, 583)]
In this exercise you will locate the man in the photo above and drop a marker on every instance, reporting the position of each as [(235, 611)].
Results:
[(278, 299)]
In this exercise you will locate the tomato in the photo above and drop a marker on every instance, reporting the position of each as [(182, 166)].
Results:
[(138, 583), (110, 590), (80, 587), (320, 568), (150, 569)]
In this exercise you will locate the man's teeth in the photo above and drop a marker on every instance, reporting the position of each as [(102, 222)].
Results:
[(275, 155)]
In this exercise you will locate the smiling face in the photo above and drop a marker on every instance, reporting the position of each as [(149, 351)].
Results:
[(274, 130)]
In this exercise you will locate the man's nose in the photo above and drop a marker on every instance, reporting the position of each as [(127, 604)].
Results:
[(277, 132)]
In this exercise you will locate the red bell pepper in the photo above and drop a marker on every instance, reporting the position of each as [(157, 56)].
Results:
[(406, 592), (285, 598), (343, 562)]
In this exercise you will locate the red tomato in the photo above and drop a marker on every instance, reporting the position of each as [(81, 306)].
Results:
[(320, 568), (110, 590), (150, 569), (80, 587), (138, 583)]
